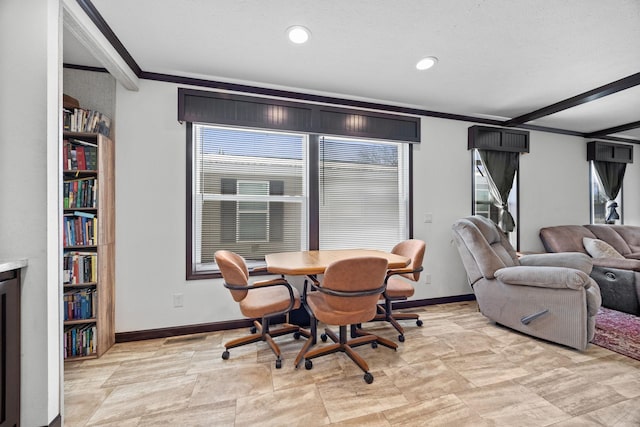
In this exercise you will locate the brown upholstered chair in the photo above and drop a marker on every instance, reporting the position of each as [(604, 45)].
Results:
[(348, 295), (398, 288), (264, 299)]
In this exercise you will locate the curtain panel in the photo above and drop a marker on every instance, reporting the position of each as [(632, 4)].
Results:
[(501, 167), (611, 176)]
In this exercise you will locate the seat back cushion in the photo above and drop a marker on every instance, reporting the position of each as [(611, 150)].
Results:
[(565, 238), (479, 245), (611, 235), (631, 235), (354, 274), (497, 239), (413, 249), (234, 272)]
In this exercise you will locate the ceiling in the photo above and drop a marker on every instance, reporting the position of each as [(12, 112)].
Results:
[(498, 60)]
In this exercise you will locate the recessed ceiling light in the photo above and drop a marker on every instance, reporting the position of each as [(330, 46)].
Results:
[(298, 34), (426, 63)]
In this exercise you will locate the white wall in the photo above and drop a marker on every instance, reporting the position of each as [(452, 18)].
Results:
[(150, 218), (150, 204), (29, 191)]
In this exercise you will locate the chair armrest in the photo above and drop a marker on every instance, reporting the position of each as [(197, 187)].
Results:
[(261, 283), (544, 277), (402, 271), (577, 260)]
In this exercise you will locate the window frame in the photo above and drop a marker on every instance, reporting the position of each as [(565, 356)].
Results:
[(594, 179), (310, 206)]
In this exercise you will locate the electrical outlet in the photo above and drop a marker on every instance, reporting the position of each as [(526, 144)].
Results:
[(428, 217), (427, 278), (178, 300)]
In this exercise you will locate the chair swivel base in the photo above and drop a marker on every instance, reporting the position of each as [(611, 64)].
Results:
[(264, 334), (386, 315), (342, 345)]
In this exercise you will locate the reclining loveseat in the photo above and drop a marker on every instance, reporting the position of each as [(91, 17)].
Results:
[(616, 263)]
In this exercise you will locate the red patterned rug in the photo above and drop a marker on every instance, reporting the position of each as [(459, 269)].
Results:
[(619, 332)]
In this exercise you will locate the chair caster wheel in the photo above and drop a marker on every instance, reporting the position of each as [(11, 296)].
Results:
[(419, 322), (368, 378), (401, 338), (308, 364), (296, 335), (253, 329), (374, 344), (278, 363), (323, 337), (225, 355)]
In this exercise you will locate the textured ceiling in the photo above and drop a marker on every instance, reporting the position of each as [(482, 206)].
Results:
[(497, 58)]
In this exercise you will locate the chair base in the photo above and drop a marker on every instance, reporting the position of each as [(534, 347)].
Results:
[(341, 344), (386, 314), (265, 334)]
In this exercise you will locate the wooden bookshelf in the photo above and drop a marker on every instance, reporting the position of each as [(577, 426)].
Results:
[(88, 244)]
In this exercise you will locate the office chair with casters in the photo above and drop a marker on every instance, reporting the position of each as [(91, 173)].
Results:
[(263, 299), (348, 295), (399, 289)]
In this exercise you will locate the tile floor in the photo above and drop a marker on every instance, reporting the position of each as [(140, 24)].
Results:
[(459, 369)]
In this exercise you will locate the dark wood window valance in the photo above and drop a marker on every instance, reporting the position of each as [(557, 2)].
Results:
[(609, 152), (199, 106), (498, 139)]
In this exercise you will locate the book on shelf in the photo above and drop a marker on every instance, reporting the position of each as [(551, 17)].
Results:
[(84, 120), (80, 340), (80, 304), (79, 155), (80, 230), (80, 267), (79, 193)]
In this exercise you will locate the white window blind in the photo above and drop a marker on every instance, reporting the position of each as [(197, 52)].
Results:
[(363, 194), (248, 193)]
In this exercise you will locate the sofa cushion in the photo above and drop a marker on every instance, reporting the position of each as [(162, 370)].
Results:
[(565, 238), (600, 249), (631, 235), (609, 234)]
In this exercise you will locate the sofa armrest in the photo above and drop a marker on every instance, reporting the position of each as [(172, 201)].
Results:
[(577, 260), (622, 264), (544, 277)]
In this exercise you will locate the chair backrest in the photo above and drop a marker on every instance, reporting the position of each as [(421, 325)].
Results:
[(413, 249), (483, 247), (351, 275), (234, 272)]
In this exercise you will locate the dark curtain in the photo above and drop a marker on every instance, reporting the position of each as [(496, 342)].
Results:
[(611, 176), (501, 168)]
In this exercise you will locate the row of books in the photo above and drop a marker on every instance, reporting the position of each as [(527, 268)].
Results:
[(80, 304), (80, 267), (79, 155), (83, 120), (80, 340), (80, 229), (80, 193)]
